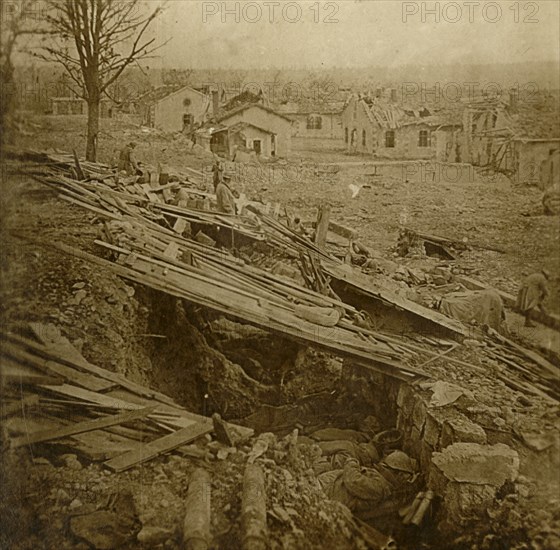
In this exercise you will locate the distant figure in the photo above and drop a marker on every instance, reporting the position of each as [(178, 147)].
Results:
[(224, 196), (298, 227), (217, 173), (532, 294), (127, 162)]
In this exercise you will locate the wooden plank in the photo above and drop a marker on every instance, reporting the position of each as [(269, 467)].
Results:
[(323, 218), (180, 225), (82, 427), (365, 286), (99, 446), (160, 446), (27, 402), (60, 347), (232, 303), (98, 398), (552, 370), (342, 231), (176, 417), (69, 374), (171, 250), (105, 213), (13, 373)]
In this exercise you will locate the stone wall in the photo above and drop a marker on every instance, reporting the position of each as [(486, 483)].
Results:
[(441, 428)]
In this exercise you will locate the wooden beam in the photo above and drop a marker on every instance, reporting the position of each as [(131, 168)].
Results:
[(27, 402), (159, 446), (81, 427), (81, 394), (323, 218), (56, 346), (13, 373), (56, 369)]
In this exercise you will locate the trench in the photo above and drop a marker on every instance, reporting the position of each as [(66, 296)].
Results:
[(210, 363)]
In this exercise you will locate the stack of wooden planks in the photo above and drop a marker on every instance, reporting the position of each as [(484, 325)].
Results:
[(149, 243), (65, 401)]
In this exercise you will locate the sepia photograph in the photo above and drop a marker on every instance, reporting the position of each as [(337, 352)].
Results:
[(279, 275)]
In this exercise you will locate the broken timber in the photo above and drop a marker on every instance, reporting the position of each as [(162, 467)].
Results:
[(266, 314), (82, 427), (102, 438), (159, 446), (363, 285)]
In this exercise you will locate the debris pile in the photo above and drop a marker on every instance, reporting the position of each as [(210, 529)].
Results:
[(254, 275)]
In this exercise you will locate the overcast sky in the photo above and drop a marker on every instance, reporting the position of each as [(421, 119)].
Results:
[(356, 33)]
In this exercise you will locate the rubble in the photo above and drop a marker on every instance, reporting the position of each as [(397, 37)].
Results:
[(430, 393)]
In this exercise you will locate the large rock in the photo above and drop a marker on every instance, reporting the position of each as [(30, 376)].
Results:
[(108, 529), (102, 529), (477, 464), (467, 476)]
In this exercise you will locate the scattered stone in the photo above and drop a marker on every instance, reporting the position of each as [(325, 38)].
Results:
[(75, 504), (103, 530), (72, 462), (280, 514), (78, 286), (79, 296), (152, 536), (461, 429), (62, 497)]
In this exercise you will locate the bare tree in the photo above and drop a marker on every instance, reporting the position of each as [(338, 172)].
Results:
[(17, 20), (107, 36)]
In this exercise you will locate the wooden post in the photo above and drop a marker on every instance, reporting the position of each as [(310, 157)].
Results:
[(322, 225)]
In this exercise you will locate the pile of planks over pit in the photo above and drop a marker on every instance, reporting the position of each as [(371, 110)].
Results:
[(150, 243), (145, 248), (51, 395)]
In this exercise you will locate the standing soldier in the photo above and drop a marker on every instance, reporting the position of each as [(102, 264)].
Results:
[(217, 173), (224, 196), (127, 161), (532, 294)]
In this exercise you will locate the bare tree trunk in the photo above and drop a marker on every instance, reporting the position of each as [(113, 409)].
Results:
[(7, 100), (92, 129)]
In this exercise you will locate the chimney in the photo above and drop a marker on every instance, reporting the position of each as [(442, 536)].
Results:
[(215, 102)]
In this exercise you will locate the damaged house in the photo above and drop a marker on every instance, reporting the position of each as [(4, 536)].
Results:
[(392, 131), (250, 126), (518, 138), (315, 120), (228, 141), (174, 110), (78, 106)]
